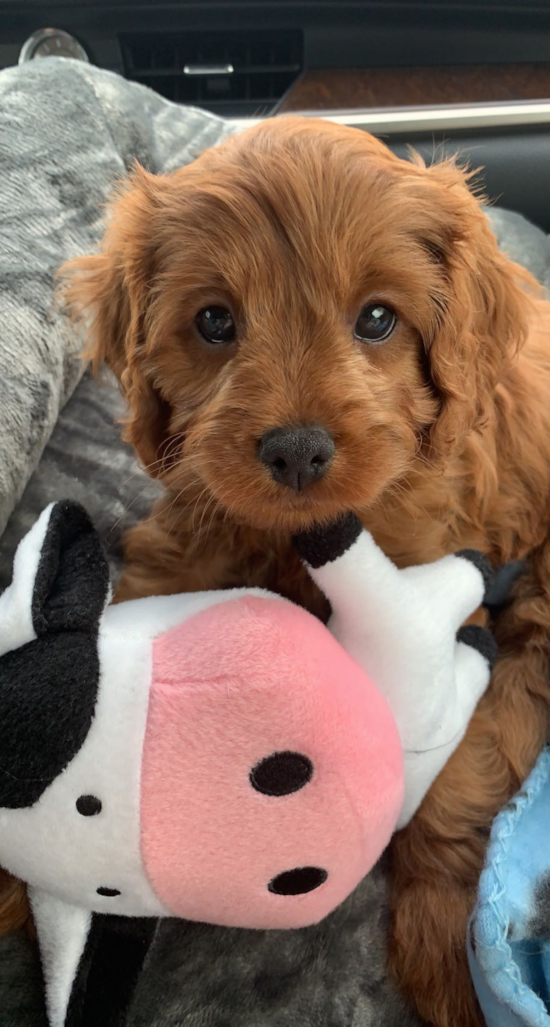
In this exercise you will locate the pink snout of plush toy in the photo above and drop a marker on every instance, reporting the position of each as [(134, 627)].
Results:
[(272, 773)]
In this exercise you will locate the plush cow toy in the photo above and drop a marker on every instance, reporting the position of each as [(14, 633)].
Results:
[(222, 756)]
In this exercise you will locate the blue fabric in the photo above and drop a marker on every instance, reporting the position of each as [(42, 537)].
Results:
[(509, 935)]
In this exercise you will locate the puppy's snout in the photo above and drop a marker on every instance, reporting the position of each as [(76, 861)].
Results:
[(296, 456)]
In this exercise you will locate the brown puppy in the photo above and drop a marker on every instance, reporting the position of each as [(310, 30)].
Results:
[(302, 323)]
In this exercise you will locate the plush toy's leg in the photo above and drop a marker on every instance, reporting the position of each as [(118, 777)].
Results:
[(62, 932), (370, 597), (359, 580), (473, 663)]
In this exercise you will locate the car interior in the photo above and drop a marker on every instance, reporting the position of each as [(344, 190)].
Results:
[(439, 75)]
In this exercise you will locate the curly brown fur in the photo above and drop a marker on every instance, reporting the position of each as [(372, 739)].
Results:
[(442, 434)]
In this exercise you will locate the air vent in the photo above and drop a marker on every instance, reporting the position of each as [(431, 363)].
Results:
[(234, 74)]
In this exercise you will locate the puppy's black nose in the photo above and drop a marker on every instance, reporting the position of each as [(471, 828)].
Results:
[(296, 456)]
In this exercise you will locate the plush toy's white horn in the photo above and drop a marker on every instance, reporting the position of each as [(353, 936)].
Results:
[(16, 622), (369, 595)]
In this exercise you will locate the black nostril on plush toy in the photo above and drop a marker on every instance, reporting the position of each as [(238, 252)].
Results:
[(298, 882), (281, 773), (296, 456)]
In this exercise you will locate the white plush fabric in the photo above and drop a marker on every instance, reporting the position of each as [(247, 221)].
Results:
[(149, 617)]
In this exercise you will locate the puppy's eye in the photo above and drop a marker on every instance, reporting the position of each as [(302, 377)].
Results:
[(216, 325), (375, 323)]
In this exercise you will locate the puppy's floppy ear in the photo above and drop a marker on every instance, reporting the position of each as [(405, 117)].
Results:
[(481, 303), (110, 291)]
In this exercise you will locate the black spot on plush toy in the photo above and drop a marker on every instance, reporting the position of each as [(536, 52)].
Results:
[(222, 757)]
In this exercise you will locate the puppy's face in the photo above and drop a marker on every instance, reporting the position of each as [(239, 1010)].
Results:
[(296, 318)]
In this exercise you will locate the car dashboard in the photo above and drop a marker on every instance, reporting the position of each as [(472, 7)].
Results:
[(444, 76)]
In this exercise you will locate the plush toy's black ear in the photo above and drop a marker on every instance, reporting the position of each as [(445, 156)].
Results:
[(49, 659), (71, 586)]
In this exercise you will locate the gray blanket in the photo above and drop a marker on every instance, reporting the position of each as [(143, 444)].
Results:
[(65, 132)]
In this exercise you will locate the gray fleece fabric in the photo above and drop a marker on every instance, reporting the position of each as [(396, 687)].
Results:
[(66, 133)]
